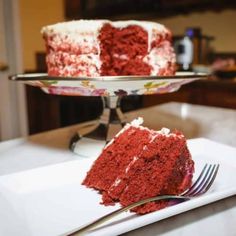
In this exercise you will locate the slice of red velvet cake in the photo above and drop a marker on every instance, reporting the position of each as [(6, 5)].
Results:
[(140, 163), (105, 48)]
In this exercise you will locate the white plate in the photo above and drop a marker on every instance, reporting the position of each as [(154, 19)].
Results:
[(51, 200)]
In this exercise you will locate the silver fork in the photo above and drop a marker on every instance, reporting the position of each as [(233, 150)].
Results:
[(200, 186)]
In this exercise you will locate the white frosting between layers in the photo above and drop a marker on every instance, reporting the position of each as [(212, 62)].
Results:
[(118, 180), (131, 163)]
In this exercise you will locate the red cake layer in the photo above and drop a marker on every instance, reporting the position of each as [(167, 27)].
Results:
[(141, 163), (123, 50), (100, 47)]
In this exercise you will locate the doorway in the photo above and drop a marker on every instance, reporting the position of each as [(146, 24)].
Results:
[(13, 115)]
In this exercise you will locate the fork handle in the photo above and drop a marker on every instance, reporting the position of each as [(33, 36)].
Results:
[(84, 229)]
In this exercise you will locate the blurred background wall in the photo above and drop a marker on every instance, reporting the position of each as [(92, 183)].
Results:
[(217, 24), (34, 15)]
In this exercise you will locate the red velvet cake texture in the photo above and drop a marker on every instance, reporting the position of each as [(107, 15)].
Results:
[(141, 163), (103, 48)]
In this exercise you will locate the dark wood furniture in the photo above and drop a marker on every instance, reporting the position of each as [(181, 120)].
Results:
[(140, 9), (46, 112), (219, 93)]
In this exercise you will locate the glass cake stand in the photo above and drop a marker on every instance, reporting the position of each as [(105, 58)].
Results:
[(111, 89)]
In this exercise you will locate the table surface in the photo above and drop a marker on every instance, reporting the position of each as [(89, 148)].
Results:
[(194, 121)]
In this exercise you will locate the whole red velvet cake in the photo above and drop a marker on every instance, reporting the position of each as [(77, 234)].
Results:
[(94, 48), (140, 163)]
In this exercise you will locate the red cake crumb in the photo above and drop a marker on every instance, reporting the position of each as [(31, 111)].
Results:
[(107, 199), (141, 163)]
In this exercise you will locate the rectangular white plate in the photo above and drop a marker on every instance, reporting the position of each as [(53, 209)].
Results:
[(51, 201)]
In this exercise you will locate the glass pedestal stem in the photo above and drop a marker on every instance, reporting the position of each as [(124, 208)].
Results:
[(111, 121)]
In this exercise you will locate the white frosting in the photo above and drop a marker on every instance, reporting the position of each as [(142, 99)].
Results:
[(156, 61), (160, 57), (147, 25), (87, 26), (78, 26), (80, 32), (117, 181), (164, 131), (131, 163), (137, 122)]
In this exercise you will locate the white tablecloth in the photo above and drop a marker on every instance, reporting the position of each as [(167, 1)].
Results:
[(194, 121)]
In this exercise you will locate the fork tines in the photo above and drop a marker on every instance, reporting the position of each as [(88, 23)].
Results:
[(204, 181)]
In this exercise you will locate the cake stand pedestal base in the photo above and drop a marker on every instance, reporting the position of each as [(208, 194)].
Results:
[(111, 121)]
